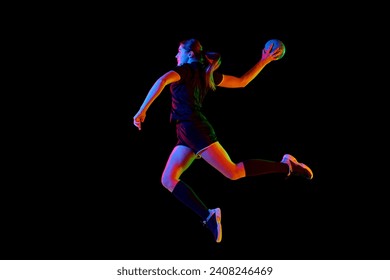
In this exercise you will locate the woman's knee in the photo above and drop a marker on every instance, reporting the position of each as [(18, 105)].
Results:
[(234, 173), (168, 183)]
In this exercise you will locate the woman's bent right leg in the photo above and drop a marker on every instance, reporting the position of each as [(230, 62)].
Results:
[(179, 160)]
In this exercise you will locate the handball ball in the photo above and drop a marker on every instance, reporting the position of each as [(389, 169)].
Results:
[(276, 44)]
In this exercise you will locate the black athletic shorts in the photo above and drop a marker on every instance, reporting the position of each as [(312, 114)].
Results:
[(195, 135)]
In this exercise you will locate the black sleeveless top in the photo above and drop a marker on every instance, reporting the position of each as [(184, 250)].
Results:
[(189, 92)]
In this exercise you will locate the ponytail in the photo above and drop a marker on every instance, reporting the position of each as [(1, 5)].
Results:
[(214, 61), (211, 60)]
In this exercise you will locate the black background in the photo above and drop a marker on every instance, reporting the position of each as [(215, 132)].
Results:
[(87, 182)]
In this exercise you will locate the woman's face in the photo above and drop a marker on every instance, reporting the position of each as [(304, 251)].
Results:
[(182, 56)]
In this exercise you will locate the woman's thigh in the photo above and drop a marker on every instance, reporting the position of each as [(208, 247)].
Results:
[(218, 157)]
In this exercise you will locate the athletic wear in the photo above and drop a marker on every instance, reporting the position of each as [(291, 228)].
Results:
[(297, 168), (214, 224), (187, 196), (192, 127)]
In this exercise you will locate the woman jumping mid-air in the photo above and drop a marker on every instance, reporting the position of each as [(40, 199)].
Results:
[(194, 76)]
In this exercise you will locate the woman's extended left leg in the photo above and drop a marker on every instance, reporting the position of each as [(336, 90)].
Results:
[(217, 157)]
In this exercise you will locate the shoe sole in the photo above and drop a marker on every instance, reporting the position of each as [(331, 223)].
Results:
[(308, 169), (304, 166), (218, 216)]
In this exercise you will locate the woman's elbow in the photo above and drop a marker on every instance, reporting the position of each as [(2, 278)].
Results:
[(243, 84)]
